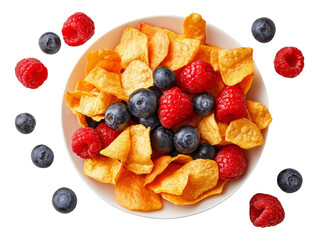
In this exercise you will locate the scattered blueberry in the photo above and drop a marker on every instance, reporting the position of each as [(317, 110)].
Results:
[(203, 103), (289, 180), (205, 151), (92, 123), (263, 29), (64, 200), (42, 156), (162, 140), (152, 121), (117, 116), (142, 103), (157, 92), (186, 139), (49, 43), (25, 123), (164, 78)]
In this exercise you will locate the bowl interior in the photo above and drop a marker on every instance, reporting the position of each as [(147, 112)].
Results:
[(70, 124)]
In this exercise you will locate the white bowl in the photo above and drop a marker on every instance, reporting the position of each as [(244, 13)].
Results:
[(106, 191)]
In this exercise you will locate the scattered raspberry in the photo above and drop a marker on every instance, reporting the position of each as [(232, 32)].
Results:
[(231, 162), (86, 142), (196, 77), (289, 62), (107, 134), (231, 104), (31, 72), (265, 210), (174, 107), (77, 29)]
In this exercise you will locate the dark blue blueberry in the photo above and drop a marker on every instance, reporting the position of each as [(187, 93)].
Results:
[(64, 200), (42, 156), (92, 123), (142, 103), (164, 78), (263, 29), (25, 123), (152, 121), (157, 92), (186, 139), (203, 103), (50, 43), (289, 180), (117, 116), (162, 140), (205, 151)]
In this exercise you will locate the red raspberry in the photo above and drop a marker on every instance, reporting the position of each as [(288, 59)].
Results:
[(231, 104), (86, 142), (265, 210), (107, 134), (77, 29), (174, 107), (231, 162), (196, 77), (289, 62), (31, 72)]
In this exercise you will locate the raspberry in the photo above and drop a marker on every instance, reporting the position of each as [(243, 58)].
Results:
[(107, 134), (77, 29), (231, 162), (196, 77), (265, 210), (31, 72), (174, 107), (86, 142), (289, 62), (231, 104)]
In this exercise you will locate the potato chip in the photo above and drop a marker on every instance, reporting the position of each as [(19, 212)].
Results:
[(235, 64), (84, 86), (217, 87), (133, 46), (73, 99), (245, 84), (148, 30), (81, 119), (260, 115), (244, 133), (131, 193), (102, 169), (94, 105), (204, 53), (214, 57), (194, 26), (208, 129), (158, 46), (222, 130)]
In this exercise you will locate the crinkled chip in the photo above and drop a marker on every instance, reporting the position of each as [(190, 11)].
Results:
[(204, 53), (245, 84), (98, 118), (259, 113), (214, 57), (208, 129), (194, 26), (222, 130), (95, 105), (158, 46), (148, 30), (84, 86), (244, 133), (81, 119)]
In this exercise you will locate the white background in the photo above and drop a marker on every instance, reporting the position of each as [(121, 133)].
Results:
[(26, 211)]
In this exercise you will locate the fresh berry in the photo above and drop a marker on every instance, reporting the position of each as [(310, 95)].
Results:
[(289, 62), (186, 139), (196, 77), (50, 43), (205, 151), (174, 107), (107, 134), (157, 92), (265, 210), (263, 30), (164, 78), (64, 200), (152, 121), (31, 72), (77, 29), (42, 156), (142, 103), (231, 162), (117, 116), (231, 104), (25, 123), (203, 103), (289, 180), (92, 123), (162, 140), (86, 142)]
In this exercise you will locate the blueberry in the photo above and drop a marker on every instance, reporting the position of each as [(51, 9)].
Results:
[(263, 29), (162, 140), (42, 156), (25, 123), (152, 121), (164, 78), (49, 43), (186, 139), (203, 103), (64, 200), (157, 92), (92, 123), (117, 116), (142, 103), (205, 151), (289, 180)]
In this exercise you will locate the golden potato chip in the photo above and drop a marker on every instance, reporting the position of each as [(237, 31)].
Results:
[(133, 46), (81, 119), (194, 26), (235, 64), (214, 57), (102, 169), (98, 118), (248, 116), (222, 130), (148, 30), (217, 87), (158, 46), (94, 105), (260, 115), (245, 84), (208, 129), (84, 86), (73, 99), (130, 193), (244, 133), (204, 53)]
